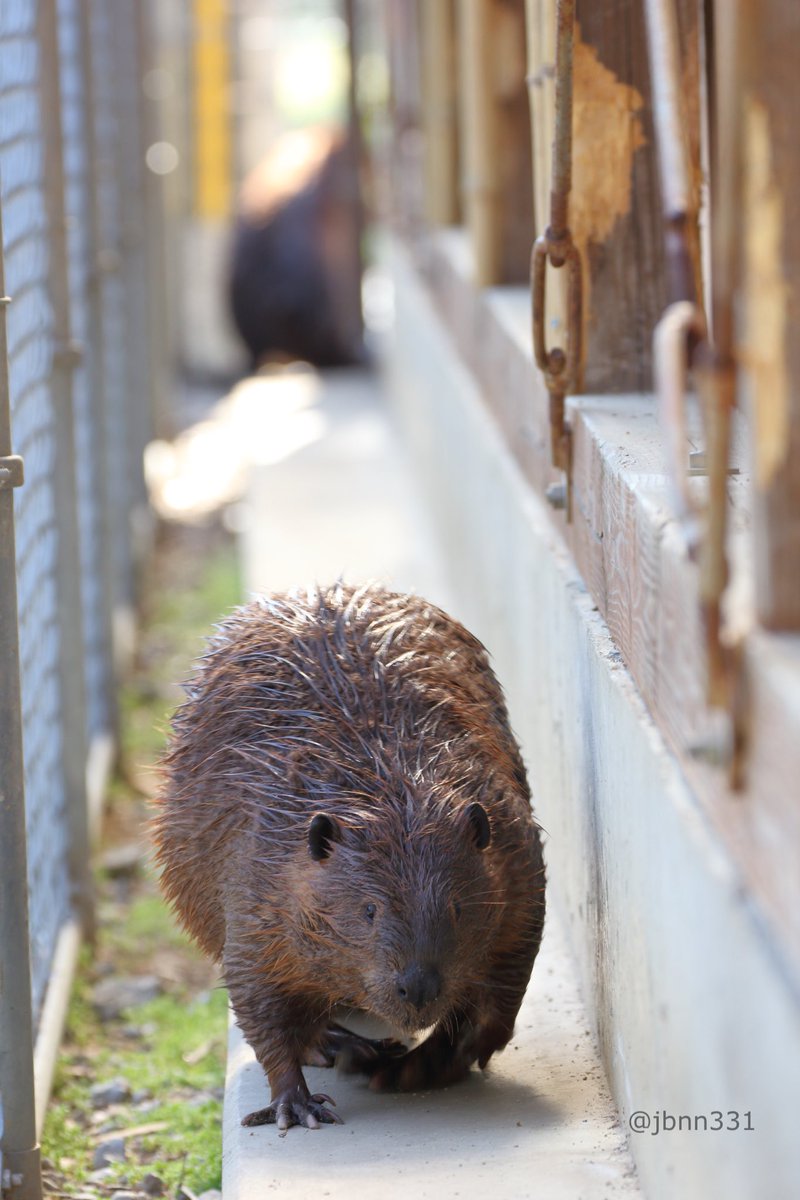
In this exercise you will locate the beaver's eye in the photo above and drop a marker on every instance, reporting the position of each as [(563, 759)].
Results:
[(369, 912), (456, 909)]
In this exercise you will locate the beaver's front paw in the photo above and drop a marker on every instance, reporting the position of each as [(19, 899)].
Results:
[(356, 1055), (295, 1107)]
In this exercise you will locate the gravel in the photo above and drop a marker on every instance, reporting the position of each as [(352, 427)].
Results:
[(111, 997), (113, 1091), (108, 1152)]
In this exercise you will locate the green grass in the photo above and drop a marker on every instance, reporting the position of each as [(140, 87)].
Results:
[(188, 1150), (180, 618), (193, 583), (147, 923)]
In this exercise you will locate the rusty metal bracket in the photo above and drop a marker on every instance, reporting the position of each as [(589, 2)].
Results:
[(12, 472), (682, 343), (560, 366)]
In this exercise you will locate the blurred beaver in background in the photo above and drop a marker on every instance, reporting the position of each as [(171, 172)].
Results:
[(295, 270)]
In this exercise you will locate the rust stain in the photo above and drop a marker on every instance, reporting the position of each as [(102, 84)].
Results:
[(690, 88), (606, 132), (766, 293)]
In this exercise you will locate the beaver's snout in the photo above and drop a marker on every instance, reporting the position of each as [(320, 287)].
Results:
[(419, 984)]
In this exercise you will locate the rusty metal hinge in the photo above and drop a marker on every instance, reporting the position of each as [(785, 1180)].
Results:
[(12, 472)]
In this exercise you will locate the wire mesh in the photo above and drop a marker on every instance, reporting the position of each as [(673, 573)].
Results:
[(114, 334), (128, 97), (30, 361), (87, 404)]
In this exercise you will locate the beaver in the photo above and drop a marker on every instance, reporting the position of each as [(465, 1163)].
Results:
[(345, 822), (294, 285)]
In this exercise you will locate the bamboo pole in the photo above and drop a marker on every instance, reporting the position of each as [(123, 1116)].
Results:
[(540, 20), (771, 238), (479, 180), (439, 111)]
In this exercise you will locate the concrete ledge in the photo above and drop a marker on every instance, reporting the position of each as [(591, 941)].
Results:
[(633, 558), (539, 1122), (99, 765), (53, 1016), (694, 1011)]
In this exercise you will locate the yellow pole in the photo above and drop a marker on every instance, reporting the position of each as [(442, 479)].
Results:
[(212, 126)]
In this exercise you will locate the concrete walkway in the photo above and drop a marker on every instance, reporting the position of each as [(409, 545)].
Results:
[(330, 494)]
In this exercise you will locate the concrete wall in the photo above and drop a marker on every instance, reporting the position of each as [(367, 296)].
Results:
[(693, 1014)]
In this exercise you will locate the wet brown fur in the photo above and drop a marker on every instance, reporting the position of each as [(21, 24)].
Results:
[(380, 712)]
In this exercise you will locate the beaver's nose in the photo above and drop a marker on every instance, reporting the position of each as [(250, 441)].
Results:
[(419, 984)]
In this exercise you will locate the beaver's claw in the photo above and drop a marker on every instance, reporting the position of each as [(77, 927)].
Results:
[(294, 1108)]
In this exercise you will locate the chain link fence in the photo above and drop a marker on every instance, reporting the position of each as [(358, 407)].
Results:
[(31, 349), (76, 384), (87, 396)]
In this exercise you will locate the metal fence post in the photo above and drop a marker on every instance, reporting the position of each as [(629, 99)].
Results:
[(111, 332), (98, 255), (21, 1174), (155, 233), (71, 645), (124, 49), (86, 391)]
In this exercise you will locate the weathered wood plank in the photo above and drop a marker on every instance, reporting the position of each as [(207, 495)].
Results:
[(440, 111), (772, 302), (496, 138), (633, 559), (614, 207), (614, 211)]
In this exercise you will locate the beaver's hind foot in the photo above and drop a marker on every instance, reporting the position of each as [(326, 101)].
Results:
[(353, 1054)]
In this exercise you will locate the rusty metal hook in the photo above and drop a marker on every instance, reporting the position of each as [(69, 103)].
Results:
[(681, 338), (681, 324), (560, 367)]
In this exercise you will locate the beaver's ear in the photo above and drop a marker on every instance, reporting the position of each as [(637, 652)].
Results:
[(479, 825), (322, 833)]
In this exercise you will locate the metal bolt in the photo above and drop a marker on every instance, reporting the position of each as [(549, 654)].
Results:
[(698, 464), (556, 495)]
